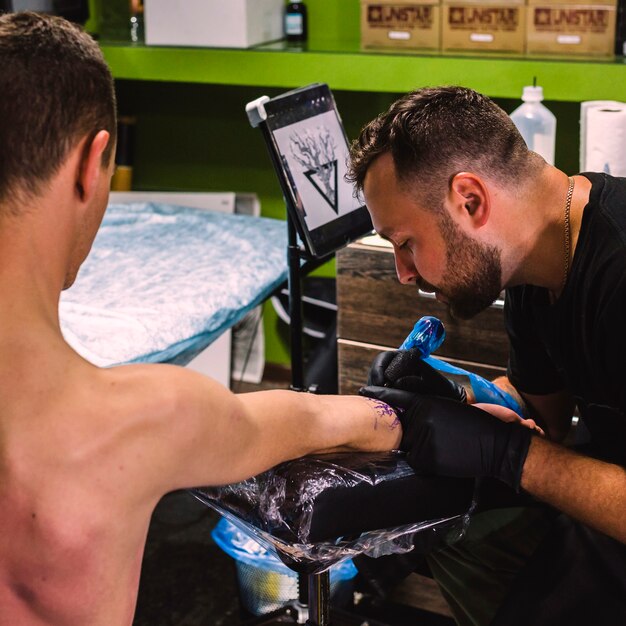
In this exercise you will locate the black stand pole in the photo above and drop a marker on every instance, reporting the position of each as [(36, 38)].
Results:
[(294, 256), (319, 600), (313, 591), (296, 346)]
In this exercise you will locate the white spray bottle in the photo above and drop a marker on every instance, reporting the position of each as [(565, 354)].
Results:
[(536, 123)]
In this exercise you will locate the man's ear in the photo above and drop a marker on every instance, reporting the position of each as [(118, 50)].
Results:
[(470, 198), (91, 166)]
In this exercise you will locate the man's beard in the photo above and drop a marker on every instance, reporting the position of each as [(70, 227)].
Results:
[(474, 272)]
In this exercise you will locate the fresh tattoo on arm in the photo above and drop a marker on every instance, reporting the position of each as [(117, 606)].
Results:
[(381, 411)]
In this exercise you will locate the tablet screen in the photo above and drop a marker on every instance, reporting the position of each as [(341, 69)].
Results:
[(313, 151)]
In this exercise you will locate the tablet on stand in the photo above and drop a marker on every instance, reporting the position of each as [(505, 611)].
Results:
[(309, 150)]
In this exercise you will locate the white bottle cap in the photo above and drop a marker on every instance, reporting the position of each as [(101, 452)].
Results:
[(532, 94)]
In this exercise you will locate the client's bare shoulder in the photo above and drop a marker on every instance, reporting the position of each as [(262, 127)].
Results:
[(108, 439), (164, 422)]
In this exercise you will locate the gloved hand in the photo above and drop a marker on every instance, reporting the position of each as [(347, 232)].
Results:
[(446, 438), (396, 376)]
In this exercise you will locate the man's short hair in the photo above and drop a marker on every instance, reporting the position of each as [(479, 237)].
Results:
[(434, 133), (55, 88)]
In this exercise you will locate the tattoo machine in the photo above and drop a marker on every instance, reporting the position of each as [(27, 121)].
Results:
[(427, 336)]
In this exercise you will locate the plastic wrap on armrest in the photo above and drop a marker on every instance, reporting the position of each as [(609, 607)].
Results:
[(319, 510)]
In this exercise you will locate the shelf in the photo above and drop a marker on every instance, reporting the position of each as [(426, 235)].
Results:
[(355, 70)]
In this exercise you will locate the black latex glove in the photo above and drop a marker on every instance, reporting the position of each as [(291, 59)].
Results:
[(445, 438), (396, 376)]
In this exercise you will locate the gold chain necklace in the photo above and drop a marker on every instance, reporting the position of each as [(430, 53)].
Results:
[(568, 205)]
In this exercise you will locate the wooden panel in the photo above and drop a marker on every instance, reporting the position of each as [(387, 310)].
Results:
[(375, 308), (355, 360)]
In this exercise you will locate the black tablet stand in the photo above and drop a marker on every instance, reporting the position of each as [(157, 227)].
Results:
[(300, 260), (313, 590)]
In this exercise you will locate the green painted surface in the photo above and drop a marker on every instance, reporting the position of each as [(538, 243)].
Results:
[(365, 71), (334, 21)]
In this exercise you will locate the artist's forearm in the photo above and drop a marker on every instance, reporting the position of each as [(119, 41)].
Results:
[(552, 412), (588, 490), (505, 384)]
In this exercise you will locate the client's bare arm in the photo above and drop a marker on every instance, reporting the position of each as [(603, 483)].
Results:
[(199, 433)]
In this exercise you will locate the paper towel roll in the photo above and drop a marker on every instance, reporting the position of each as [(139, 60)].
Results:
[(603, 137)]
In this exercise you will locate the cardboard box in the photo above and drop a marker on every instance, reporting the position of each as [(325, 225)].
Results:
[(213, 23), (483, 25), (567, 27), (398, 24)]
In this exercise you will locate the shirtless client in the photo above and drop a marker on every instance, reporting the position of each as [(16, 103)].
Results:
[(86, 453)]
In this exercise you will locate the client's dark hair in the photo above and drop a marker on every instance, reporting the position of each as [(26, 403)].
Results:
[(433, 133), (55, 88)]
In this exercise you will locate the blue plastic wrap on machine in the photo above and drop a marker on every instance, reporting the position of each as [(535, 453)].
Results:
[(162, 282), (427, 335)]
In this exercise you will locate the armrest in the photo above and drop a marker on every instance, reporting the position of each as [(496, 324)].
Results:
[(330, 502)]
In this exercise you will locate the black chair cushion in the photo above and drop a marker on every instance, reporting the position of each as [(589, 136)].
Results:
[(312, 508)]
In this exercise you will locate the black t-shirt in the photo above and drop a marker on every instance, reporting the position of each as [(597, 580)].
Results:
[(579, 342), (577, 575)]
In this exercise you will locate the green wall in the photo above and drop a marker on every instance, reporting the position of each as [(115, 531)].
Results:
[(196, 137), (333, 20)]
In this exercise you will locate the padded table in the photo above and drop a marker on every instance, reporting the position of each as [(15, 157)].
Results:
[(162, 282)]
